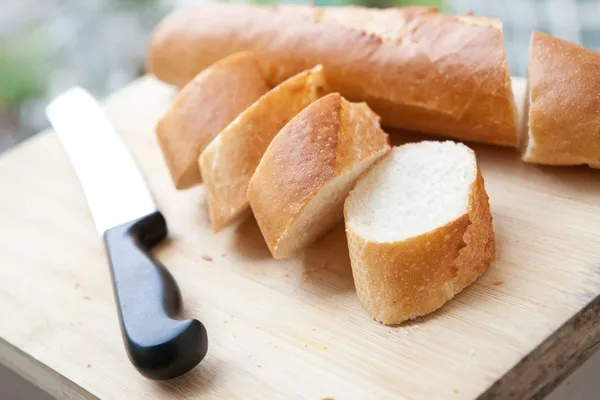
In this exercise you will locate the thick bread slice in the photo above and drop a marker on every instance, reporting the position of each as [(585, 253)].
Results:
[(203, 108), (229, 161), (298, 190), (418, 69), (419, 230), (564, 103)]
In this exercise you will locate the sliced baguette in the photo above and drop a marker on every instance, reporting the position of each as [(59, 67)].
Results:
[(203, 108), (563, 103), (419, 230), (298, 190), (229, 161)]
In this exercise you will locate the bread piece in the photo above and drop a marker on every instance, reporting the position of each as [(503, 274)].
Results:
[(564, 103), (298, 190), (228, 162), (419, 230), (418, 69), (203, 108)]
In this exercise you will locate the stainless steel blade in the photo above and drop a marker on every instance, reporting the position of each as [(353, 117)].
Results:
[(112, 183)]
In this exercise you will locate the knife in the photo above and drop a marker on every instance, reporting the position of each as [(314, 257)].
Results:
[(125, 215)]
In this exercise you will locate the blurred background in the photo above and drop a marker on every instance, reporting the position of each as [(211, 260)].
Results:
[(47, 46)]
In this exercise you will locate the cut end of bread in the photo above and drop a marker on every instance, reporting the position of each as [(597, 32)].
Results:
[(419, 230), (430, 188), (299, 187), (321, 213)]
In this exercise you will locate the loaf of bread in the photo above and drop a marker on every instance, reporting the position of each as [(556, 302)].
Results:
[(203, 108), (229, 161), (419, 230), (419, 69), (298, 189), (563, 103)]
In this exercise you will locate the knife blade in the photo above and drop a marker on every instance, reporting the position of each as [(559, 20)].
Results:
[(125, 214), (113, 185)]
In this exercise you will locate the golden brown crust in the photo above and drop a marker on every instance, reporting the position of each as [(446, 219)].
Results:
[(392, 295), (352, 146), (291, 170), (229, 161), (325, 140), (448, 74), (203, 108), (398, 281), (564, 122), (480, 243)]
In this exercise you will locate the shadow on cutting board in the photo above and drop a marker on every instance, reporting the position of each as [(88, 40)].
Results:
[(192, 384), (248, 240), (327, 263)]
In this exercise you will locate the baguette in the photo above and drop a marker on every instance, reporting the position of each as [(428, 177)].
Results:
[(229, 161), (418, 69), (203, 108), (563, 115), (419, 230), (298, 189)]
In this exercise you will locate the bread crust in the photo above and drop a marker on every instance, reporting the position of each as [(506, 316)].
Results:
[(228, 162), (324, 141), (402, 280), (418, 69), (210, 101), (563, 117)]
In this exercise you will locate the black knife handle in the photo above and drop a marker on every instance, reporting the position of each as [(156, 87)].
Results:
[(148, 299)]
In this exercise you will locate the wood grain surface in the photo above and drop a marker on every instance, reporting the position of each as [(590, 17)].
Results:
[(292, 329)]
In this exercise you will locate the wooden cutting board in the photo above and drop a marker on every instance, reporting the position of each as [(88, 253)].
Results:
[(293, 329)]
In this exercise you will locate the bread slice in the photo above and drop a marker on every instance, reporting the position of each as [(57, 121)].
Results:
[(419, 230), (229, 161), (298, 190), (203, 108), (563, 102)]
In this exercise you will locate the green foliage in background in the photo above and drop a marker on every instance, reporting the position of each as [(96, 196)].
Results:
[(367, 3), (138, 3), (19, 77)]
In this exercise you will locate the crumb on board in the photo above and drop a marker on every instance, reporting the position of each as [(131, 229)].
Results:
[(87, 298), (225, 321), (77, 286), (456, 391), (259, 366), (89, 366), (498, 283), (207, 258), (327, 398)]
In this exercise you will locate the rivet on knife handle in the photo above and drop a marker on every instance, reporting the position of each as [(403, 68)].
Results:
[(148, 299)]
